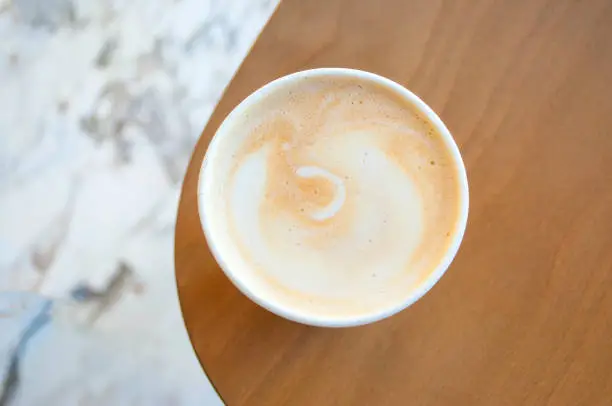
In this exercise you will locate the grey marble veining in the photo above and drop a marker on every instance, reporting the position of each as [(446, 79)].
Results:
[(101, 104)]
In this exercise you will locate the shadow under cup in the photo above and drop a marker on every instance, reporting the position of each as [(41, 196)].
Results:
[(249, 133)]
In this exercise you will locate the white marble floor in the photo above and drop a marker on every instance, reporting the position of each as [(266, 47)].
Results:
[(101, 102)]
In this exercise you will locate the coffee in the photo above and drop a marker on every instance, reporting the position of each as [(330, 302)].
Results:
[(331, 194)]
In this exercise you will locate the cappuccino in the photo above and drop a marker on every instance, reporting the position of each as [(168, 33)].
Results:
[(332, 196)]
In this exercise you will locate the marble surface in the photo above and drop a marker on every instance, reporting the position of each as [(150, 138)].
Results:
[(101, 103)]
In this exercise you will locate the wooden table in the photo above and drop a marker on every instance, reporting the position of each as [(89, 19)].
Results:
[(524, 314)]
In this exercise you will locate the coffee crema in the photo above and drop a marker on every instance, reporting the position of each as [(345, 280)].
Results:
[(331, 195)]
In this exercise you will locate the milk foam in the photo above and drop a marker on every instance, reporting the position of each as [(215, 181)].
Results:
[(332, 195)]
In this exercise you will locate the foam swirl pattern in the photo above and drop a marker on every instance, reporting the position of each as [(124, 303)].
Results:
[(332, 195)]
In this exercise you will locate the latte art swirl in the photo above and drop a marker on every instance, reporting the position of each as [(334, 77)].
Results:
[(332, 201), (334, 194)]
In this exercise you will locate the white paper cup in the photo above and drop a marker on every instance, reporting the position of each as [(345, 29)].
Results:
[(333, 320)]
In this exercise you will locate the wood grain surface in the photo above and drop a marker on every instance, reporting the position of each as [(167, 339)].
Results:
[(524, 314)]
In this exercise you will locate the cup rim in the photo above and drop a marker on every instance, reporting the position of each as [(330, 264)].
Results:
[(413, 294)]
